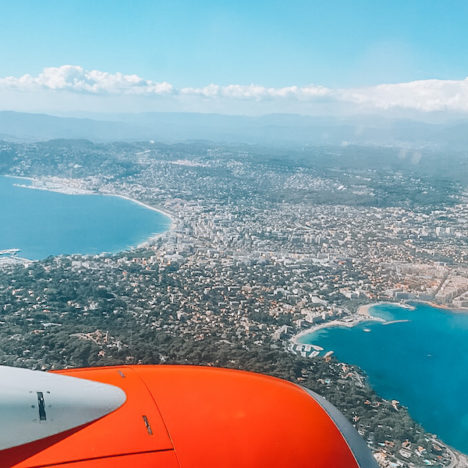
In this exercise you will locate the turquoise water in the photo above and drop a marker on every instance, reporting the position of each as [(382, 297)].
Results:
[(423, 363), (43, 223)]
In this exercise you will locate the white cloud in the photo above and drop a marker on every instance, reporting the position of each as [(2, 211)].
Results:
[(256, 92), (425, 95), (76, 79)]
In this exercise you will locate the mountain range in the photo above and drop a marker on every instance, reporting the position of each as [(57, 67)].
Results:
[(276, 129)]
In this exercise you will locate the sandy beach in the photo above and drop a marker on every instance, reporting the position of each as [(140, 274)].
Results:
[(149, 207), (365, 309), (352, 322), (362, 315)]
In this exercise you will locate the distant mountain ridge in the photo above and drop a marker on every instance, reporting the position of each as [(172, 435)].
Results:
[(280, 129), (39, 127)]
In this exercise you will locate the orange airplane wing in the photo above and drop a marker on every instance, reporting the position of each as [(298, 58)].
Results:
[(201, 417)]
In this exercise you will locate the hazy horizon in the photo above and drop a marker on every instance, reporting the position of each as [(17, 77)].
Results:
[(334, 59)]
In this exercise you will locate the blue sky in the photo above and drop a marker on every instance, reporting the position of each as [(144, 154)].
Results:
[(334, 44)]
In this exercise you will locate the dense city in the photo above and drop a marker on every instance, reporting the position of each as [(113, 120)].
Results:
[(263, 245)]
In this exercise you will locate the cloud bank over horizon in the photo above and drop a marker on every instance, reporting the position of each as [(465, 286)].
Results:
[(422, 96)]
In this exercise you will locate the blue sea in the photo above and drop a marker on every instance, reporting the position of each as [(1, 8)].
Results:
[(422, 363), (42, 223)]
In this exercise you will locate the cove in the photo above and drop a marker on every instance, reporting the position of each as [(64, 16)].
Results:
[(422, 362)]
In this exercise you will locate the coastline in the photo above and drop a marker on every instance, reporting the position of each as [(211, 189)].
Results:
[(337, 323), (363, 315), (9, 176), (152, 237), (455, 310), (60, 187), (331, 344), (364, 309), (66, 190), (138, 202)]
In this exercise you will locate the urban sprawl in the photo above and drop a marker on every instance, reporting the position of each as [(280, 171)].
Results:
[(263, 245)]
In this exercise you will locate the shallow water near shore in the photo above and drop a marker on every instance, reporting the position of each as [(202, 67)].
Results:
[(42, 223), (421, 360)]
